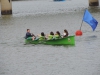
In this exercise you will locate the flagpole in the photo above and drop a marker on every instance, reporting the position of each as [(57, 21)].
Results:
[(81, 25), (82, 20)]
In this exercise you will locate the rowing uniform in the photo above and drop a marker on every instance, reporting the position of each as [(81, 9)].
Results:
[(42, 38), (50, 37)]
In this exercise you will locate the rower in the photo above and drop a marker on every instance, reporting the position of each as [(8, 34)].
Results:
[(29, 35), (57, 35), (51, 36), (65, 34), (42, 36)]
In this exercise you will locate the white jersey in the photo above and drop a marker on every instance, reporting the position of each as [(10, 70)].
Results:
[(64, 34)]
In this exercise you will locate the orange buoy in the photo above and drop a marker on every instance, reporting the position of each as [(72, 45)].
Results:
[(78, 33)]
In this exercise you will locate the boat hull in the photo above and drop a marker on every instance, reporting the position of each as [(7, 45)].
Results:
[(70, 40)]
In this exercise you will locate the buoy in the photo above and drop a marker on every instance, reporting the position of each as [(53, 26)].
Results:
[(78, 33)]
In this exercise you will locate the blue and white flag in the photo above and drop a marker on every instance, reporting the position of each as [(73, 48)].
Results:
[(88, 18)]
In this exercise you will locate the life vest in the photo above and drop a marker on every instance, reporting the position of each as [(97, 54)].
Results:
[(56, 36), (50, 37), (42, 38)]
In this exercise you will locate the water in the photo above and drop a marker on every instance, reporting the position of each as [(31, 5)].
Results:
[(46, 15)]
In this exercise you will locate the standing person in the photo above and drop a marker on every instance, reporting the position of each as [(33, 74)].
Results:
[(29, 35), (65, 34)]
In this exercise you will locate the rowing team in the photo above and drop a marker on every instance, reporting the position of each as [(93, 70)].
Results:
[(44, 37)]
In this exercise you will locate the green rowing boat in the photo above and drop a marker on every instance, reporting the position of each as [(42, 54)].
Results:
[(70, 40)]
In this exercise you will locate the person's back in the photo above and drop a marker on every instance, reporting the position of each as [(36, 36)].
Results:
[(57, 35), (51, 36), (42, 37)]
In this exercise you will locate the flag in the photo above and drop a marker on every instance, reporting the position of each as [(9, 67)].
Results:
[(88, 18)]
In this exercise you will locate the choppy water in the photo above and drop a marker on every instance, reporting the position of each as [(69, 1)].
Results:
[(46, 15)]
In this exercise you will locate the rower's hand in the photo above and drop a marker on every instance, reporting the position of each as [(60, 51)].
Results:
[(38, 35)]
